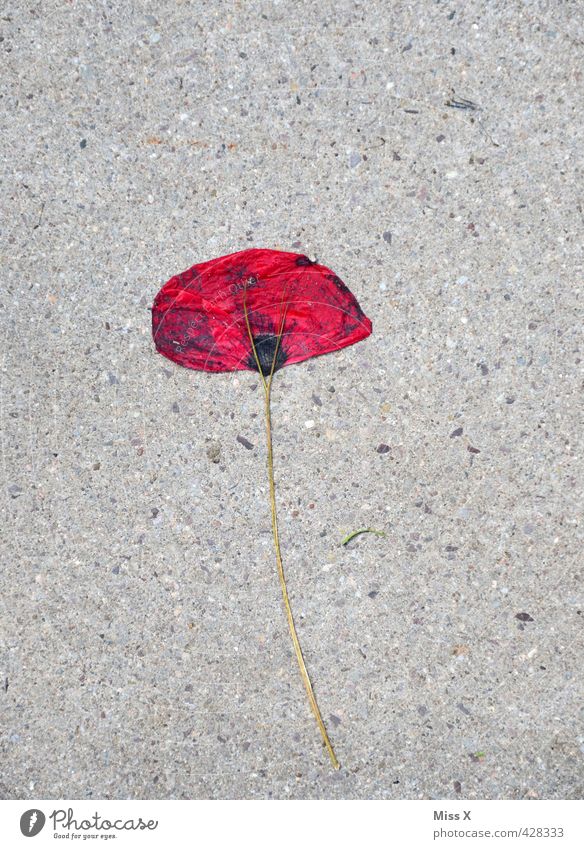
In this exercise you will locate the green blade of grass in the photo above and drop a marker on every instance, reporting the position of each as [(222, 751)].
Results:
[(354, 534)]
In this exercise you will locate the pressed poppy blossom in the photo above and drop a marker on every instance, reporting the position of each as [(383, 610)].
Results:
[(258, 310), (198, 319)]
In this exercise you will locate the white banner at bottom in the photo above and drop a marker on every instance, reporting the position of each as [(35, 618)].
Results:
[(281, 824)]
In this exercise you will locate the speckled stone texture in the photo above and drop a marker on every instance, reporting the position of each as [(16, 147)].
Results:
[(431, 154)]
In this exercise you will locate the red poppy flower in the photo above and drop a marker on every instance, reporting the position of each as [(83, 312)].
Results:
[(258, 310), (198, 319)]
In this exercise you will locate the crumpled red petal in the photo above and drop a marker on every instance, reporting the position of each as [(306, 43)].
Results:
[(198, 317)]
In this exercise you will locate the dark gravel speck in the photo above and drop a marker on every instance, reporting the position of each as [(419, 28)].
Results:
[(383, 448), (245, 442), (524, 617), (457, 432)]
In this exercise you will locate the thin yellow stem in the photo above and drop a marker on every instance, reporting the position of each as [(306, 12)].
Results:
[(289, 616), (251, 339), (267, 384)]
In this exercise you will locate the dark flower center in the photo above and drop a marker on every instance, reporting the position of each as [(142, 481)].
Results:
[(266, 345)]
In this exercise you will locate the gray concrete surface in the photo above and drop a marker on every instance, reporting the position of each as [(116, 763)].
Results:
[(144, 651)]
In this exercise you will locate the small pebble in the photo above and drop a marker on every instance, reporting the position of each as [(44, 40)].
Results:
[(214, 452)]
